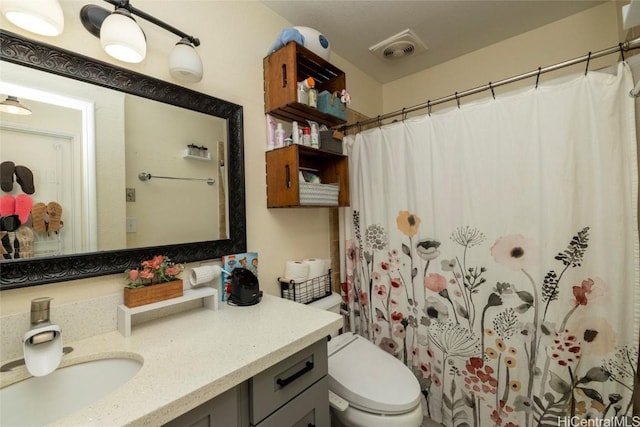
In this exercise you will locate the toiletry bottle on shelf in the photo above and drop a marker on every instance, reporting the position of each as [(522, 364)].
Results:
[(295, 136), (279, 136), (315, 143), (303, 89), (271, 133), (313, 97), (306, 136)]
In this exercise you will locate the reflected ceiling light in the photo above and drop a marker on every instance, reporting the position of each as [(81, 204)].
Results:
[(11, 105), (123, 39), (42, 17), (185, 63)]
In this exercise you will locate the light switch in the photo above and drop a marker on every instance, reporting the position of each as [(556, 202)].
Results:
[(132, 224), (130, 194)]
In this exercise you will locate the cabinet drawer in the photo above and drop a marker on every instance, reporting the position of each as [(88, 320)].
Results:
[(311, 408), (272, 388), (221, 411)]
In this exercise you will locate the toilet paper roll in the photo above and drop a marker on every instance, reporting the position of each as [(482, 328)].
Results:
[(317, 267), (201, 276), (298, 271)]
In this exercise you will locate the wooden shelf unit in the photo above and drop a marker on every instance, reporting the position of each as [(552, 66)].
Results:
[(284, 165), (287, 66)]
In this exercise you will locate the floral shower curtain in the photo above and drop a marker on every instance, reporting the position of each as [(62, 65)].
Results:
[(493, 248)]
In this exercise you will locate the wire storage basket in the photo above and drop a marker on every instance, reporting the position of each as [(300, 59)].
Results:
[(307, 291), (316, 194)]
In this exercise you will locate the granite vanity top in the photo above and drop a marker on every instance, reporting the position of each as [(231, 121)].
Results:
[(192, 357)]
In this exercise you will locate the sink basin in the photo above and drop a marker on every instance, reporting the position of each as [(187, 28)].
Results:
[(64, 391)]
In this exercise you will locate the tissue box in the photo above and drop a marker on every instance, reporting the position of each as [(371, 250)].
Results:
[(330, 103), (329, 142)]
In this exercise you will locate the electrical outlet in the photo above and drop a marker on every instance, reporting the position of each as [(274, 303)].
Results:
[(132, 225), (130, 194)]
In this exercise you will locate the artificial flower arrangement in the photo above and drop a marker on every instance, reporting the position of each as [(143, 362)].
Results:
[(345, 97), (159, 269)]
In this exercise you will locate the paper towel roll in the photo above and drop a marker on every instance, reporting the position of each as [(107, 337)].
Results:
[(201, 276), (297, 271), (317, 267)]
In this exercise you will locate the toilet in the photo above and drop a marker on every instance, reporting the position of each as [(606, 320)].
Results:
[(368, 387)]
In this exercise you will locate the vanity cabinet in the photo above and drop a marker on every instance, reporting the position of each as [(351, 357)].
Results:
[(225, 410), (292, 393), (287, 66), (285, 188)]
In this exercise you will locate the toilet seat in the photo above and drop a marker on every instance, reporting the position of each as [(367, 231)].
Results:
[(369, 378)]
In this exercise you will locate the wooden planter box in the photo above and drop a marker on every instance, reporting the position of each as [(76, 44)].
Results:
[(154, 293)]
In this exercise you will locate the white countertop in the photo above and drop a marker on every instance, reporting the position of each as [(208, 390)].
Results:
[(192, 357)]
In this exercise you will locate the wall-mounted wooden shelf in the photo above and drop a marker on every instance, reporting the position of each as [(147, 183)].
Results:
[(283, 69), (283, 166)]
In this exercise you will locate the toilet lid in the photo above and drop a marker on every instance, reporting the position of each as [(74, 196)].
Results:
[(370, 378)]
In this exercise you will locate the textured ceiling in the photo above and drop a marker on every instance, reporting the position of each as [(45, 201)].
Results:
[(449, 28)]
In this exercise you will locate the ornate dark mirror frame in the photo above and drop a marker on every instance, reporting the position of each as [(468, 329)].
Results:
[(36, 271)]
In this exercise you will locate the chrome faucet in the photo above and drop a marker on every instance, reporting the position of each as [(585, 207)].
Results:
[(40, 310), (42, 343), (42, 340)]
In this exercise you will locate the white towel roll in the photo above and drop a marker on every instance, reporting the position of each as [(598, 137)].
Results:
[(201, 276), (317, 267), (297, 271)]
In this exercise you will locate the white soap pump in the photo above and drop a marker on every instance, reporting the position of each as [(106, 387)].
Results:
[(42, 343)]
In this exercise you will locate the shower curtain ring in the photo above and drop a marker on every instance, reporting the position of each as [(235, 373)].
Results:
[(492, 92), (538, 76), (379, 122), (429, 108), (404, 114), (587, 67), (457, 99), (621, 46)]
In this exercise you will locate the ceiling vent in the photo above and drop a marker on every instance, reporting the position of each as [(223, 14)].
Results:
[(402, 45)]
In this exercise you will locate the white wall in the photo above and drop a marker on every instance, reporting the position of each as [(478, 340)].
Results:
[(171, 211), (572, 37)]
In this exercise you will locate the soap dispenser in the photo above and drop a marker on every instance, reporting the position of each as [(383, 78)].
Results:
[(42, 343)]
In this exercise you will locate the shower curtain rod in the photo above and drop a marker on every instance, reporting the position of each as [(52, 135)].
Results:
[(621, 47)]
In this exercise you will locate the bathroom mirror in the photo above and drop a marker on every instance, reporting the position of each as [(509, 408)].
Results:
[(32, 55)]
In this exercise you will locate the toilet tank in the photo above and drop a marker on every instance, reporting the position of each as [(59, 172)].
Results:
[(329, 303)]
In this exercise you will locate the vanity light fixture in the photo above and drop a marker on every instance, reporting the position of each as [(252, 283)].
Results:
[(185, 63), (42, 17), (11, 105), (122, 38)]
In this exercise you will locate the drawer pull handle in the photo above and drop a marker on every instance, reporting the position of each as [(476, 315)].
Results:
[(286, 381), (284, 75), (287, 176)]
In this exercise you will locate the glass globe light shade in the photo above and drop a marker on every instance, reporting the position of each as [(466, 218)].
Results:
[(185, 63), (122, 38), (11, 105), (42, 17)]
